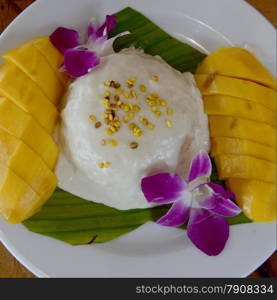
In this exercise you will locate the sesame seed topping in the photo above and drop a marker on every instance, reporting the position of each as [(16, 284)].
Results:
[(133, 145)]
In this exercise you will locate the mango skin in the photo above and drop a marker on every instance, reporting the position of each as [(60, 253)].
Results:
[(19, 88), (251, 91), (225, 145), (231, 106), (239, 63), (26, 164), (256, 198), (20, 124), (245, 167), (227, 126)]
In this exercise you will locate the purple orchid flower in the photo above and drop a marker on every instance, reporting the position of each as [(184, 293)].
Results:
[(80, 59), (203, 204)]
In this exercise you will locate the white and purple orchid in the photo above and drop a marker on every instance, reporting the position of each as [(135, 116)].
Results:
[(201, 203), (81, 58)]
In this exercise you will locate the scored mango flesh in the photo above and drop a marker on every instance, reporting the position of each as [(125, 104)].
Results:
[(239, 63), (256, 198), (226, 126), (19, 88), (18, 201), (246, 167), (239, 97), (21, 125), (28, 165), (31, 88), (226, 145), (53, 57), (44, 76), (221, 85), (229, 106)]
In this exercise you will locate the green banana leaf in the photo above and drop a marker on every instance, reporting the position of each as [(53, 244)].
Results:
[(146, 35), (76, 221)]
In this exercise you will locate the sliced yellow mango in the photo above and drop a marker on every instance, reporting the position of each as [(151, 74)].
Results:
[(256, 198), (52, 55), (231, 106), (245, 167), (26, 164), (30, 60), (225, 126), (221, 85), (18, 201), (225, 145), (21, 125), (18, 87), (236, 62)]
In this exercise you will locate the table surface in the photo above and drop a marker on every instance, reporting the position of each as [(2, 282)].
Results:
[(9, 266)]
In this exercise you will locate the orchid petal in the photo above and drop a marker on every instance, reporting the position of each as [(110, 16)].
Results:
[(201, 166), (79, 62), (104, 47), (221, 191), (163, 188), (108, 26), (213, 199), (207, 231), (64, 39), (92, 28), (177, 214)]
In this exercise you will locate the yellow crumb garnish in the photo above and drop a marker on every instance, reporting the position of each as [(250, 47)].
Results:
[(151, 126), (107, 93), (126, 108), (107, 164), (113, 143), (132, 126), (136, 108), (101, 165), (92, 118), (155, 78), (169, 111), (133, 145), (134, 95), (119, 91), (127, 95), (163, 103), (154, 108), (142, 88), (103, 142), (107, 83), (109, 131), (168, 123), (157, 114), (131, 115), (98, 124)]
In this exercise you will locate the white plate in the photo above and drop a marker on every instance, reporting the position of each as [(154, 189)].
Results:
[(152, 250)]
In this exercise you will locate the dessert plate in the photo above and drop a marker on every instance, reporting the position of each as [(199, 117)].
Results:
[(151, 250)]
